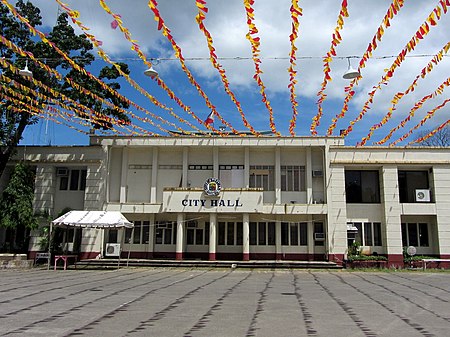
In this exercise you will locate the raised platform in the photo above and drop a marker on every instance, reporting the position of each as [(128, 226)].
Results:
[(267, 264)]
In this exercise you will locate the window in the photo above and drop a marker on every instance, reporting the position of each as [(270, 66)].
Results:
[(200, 167), (262, 233), (318, 228), (165, 233), (415, 234), (409, 182), (230, 233), (139, 234), (262, 176), (293, 178), (75, 180), (369, 233), (294, 234), (362, 186)]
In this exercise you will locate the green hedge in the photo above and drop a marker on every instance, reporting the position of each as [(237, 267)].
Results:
[(366, 258)]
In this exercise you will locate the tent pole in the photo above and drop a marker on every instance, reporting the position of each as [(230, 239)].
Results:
[(49, 246)]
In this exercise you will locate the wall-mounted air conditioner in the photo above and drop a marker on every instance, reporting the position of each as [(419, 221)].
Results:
[(319, 236), (112, 249), (317, 173), (62, 171), (423, 195)]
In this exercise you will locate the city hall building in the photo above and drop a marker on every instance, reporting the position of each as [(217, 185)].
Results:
[(246, 198)]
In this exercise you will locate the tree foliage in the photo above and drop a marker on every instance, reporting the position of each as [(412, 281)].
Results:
[(16, 203), (13, 122)]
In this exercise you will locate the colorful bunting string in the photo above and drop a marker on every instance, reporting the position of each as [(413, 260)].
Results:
[(431, 134), (399, 95), (201, 16), (423, 30), (255, 43), (439, 90), (153, 5), (136, 48), (393, 10), (295, 12), (336, 40), (429, 115)]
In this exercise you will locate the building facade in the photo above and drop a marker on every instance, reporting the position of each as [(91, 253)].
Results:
[(233, 198)]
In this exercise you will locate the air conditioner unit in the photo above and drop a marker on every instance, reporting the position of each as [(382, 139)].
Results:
[(62, 171), (317, 173), (423, 195), (319, 236), (112, 249)]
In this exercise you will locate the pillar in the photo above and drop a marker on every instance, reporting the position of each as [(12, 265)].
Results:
[(212, 236), (245, 237), (179, 251)]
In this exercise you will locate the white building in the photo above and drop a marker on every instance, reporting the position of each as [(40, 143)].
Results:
[(278, 199)]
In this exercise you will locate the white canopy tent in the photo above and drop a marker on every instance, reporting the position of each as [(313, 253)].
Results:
[(92, 219)]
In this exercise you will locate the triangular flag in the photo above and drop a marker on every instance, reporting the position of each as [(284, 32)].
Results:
[(210, 118)]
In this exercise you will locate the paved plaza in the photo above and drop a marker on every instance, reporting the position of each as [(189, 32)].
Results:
[(183, 302)]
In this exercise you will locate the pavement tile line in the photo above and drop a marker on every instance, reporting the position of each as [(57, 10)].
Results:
[(39, 292), (202, 322), (69, 311), (307, 317), (404, 319), (346, 308), (173, 305), (252, 329), (415, 289), (447, 319), (111, 313)]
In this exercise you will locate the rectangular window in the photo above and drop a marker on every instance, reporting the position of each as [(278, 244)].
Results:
[(199, 236), (303, 234), (145, 231), (221, 240), (239, 233), (253, 233), (261, 233), (271, 233), (190, 232), (230, 233), (409, 182), (112, 236), (284, 234), (368, 234), (294, 234), (137, 232), (74, 181), (262, 176), (206, 233), (168, 235), (362, 186), (293, 178), (415, 234), (318, 228)]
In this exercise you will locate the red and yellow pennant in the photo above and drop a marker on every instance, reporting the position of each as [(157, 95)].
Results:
[(296, 11), (202, 9), (135, 47), (255, 44), (153, 5), (393, 10), (399, 95), (429, 115), (413, 42), (336, 40), (416, 107), (432, 133)]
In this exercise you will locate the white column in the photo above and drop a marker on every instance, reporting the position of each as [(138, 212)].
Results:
[(212, 236), (123, 176), (184, 180), (179, 251), (154, 176), (245, 237), (308, 169), (277, 175)]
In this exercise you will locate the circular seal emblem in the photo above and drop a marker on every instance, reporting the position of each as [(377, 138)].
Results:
[(212, 186)]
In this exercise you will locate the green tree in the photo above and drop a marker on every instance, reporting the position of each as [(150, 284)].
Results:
[(16, 205), (13, 123)]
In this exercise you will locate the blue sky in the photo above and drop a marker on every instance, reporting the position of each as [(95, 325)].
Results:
[(226, 22)]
